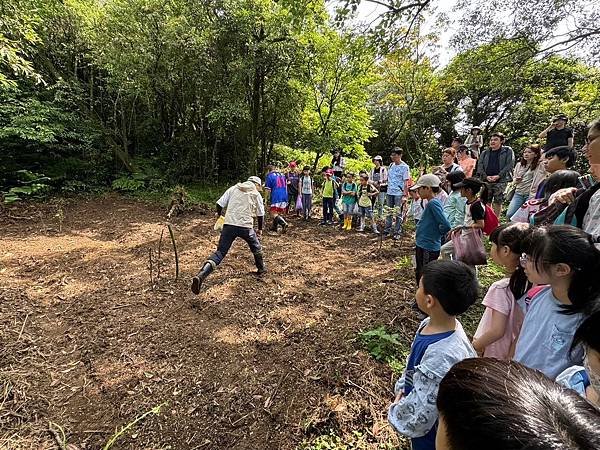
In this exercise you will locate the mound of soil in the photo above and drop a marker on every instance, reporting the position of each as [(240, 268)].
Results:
[(88, 343)]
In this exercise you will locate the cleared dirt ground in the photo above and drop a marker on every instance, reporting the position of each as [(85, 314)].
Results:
[(87, 345)]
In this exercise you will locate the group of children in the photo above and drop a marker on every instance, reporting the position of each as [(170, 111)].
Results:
[(543, 315), (342, 195)]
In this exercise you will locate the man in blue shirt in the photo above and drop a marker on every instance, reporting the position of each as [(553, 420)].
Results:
[(276, 186), (398, 176)]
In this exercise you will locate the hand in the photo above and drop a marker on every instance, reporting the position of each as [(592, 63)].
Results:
[(398, 397), (566, 195)]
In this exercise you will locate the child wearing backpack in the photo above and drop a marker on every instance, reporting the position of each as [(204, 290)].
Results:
[(306, 187), (446, 289), (564, 258), (502, 318), (366, 193)]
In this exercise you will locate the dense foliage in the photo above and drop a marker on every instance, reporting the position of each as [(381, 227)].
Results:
[(152, 92)]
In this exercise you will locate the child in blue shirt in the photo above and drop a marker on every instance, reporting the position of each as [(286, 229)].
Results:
[(446, 289), (433, 225)]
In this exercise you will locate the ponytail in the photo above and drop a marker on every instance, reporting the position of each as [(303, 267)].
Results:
[(565, 244), (485, 194), (513, 235)]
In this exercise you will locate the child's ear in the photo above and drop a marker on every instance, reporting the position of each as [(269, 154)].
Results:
[(562, 270), (430, 301)]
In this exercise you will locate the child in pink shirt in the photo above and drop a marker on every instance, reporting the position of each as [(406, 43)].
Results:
[(502, 319)]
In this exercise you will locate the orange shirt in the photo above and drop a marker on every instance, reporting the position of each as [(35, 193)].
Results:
[(468, 165)]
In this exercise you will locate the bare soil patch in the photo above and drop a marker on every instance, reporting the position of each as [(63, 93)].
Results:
[(86, 344)]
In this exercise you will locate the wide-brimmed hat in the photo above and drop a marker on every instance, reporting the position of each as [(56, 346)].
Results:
[(377, 158), (475, 128), (427, 180)]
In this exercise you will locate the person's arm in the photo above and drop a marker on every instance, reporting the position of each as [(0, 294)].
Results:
[(406, 178), (544, 133), (479, 169), (224, 200), (415, 414), (374, 192), (566, 195), (495, 332), (509, 166), (450, 210), (219, 210), (441, 219), (570, 142), (384, 176), (478, 216)]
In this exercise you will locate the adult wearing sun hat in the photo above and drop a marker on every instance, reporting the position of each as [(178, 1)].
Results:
[(242, 203), (557, 134), (379, 178), (474, 141)]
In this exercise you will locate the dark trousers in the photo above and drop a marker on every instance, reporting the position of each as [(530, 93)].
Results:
[(228, 235), (423, 257), (306, 205), (328, 209), (292, 197)]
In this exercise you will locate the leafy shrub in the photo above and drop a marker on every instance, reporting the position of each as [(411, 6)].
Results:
[(128, 184), (382, 345), (31, 185)]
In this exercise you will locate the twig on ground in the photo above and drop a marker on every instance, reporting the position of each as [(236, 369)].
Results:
[(175, 250), (150, 258), (22, 327), (158, 260), (61, 440)]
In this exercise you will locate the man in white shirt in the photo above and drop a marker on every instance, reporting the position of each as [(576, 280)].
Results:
[(242, 203)]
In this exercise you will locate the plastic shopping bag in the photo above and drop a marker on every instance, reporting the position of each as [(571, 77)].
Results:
[(299, 203), (219, 223), (468, 246)]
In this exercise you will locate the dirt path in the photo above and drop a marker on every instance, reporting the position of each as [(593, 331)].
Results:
[(249, 364)]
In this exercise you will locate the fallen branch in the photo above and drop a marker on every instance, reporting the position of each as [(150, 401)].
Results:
[(175, 250), (61, 440), (150, 258), (23, 327), (158, 260), (130, 425)]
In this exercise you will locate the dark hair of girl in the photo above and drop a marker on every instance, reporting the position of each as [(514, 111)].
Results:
[(535, 148), (587, 333), (454, 178), (513, 235), (492, 404), (559, 180), (565, 244), (485, 194)]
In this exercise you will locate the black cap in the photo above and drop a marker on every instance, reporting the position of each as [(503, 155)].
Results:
[(471, 183)]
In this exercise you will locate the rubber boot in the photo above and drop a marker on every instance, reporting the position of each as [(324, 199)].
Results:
[(375, 229), (197, 281), (361, 226), (349, 224), (260, 264), (281, 221), (345, 227)]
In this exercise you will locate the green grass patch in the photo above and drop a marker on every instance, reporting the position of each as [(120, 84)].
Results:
[(386, 347)]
